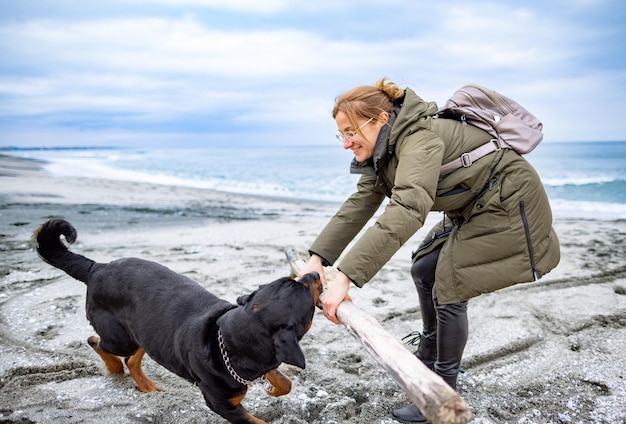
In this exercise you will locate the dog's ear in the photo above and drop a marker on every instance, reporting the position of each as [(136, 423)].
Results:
[(287, 348), (242, 300)]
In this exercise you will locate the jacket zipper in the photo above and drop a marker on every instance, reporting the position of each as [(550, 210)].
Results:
[(474, 202), (531, 255)]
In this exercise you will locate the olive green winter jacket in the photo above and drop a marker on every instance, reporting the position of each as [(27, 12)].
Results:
[(502, 232)]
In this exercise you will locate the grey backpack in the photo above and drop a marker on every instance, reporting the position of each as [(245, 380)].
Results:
[(511, 125)]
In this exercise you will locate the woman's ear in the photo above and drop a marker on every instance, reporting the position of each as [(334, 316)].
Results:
[(383, 117)]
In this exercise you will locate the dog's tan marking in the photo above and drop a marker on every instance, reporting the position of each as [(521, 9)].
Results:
[(136, 372), (236, 400), (281, 384), (249, 418), (317, 291), (255, 420), (112, 362)]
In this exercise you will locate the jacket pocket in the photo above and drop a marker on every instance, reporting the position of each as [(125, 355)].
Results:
[(452, 199)]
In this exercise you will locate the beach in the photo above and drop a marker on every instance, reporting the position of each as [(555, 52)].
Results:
[(551, 351)]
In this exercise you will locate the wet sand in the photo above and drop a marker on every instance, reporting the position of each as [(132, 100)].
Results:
[(550, 351)]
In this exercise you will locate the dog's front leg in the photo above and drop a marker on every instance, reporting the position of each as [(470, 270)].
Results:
[(281, 384), (230, 408)]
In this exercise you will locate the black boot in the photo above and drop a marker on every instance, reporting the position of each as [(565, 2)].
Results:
[(412, 414), (426, 348), (451, 339), (409, 414), (445, 332), (427, 351)]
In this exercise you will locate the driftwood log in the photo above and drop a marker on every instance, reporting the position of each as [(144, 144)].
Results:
[(437, 401)]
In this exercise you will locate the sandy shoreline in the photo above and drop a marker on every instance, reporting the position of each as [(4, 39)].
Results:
[(551, 351)]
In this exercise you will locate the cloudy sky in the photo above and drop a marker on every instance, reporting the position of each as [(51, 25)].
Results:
[(207, 72)]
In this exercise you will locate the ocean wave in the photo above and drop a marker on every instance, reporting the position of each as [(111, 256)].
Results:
[(613, 191), (587, 188), (579, 180), (562, 208), (107, 167)]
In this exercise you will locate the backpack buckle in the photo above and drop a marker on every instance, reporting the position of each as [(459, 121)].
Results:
[(466, 160)]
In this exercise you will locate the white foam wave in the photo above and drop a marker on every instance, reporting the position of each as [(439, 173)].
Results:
[(98, 168), (578, 180), (330, 185), (589, 210)]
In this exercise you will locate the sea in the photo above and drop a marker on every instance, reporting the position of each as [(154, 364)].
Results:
[(582, 179)]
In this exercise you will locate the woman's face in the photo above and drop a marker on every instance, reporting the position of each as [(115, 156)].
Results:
[(365, 135)]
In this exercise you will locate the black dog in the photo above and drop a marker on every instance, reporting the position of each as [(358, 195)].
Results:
[(138, 307)]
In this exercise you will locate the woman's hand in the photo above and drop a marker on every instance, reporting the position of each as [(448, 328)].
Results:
[(336, 293), (314, 265)]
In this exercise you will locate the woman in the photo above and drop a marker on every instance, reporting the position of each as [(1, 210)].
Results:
[(496, 231)]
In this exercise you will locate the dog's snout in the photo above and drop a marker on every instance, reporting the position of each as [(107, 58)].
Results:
[(310, 277)]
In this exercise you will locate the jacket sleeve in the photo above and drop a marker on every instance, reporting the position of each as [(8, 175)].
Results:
[(419, 160), (349, 220)]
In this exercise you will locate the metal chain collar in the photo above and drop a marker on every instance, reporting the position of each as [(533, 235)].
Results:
[(262, 379)]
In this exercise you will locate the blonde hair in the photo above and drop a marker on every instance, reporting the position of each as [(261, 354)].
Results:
[(368, 101)]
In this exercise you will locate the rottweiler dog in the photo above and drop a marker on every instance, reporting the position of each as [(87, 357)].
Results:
[(140, 307)]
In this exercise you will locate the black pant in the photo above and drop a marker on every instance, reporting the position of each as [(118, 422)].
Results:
[(447, 324)]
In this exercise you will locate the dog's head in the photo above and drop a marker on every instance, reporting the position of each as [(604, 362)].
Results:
[(285, 309)]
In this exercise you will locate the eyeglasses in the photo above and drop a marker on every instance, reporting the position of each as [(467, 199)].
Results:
[(349, 135)]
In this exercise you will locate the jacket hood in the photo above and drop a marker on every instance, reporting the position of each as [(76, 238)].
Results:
[(402, 120)]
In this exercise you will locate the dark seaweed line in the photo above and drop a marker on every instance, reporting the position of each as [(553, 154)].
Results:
[(502, 352), (57, 373), (598, 278)]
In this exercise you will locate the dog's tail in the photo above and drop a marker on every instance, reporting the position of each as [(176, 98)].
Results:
[(52, 250)]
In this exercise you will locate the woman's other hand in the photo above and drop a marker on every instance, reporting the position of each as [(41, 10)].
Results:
[(336, 293)]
